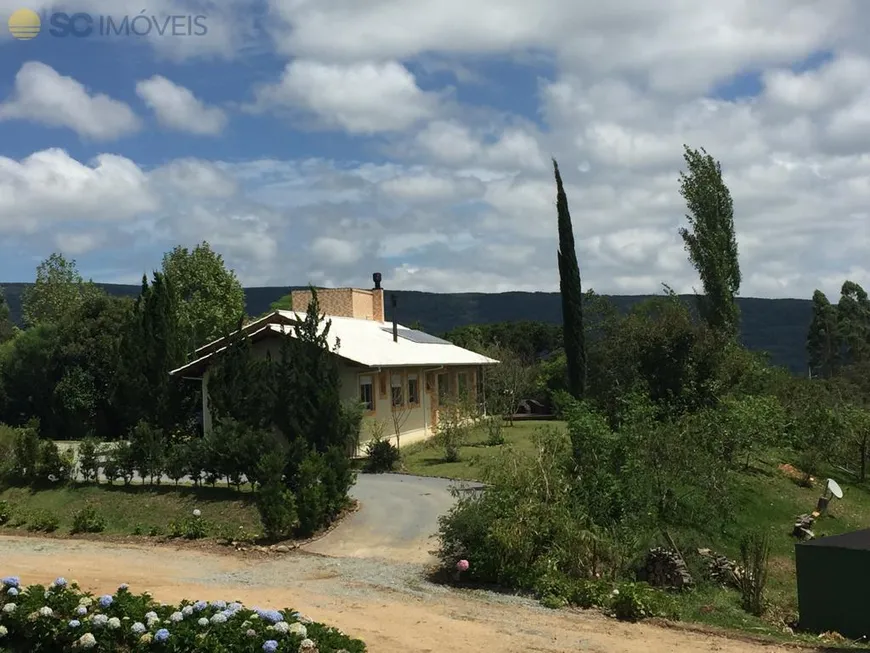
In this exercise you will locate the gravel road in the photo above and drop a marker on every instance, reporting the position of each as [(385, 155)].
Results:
[(390, 606), (365, 577), (397, 519)]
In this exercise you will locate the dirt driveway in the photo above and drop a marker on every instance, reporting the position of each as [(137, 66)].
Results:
[(364, 577), (388, 606)]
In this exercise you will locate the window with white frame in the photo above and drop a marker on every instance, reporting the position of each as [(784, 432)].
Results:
[(367, 392), (413, 389), (398, 392)]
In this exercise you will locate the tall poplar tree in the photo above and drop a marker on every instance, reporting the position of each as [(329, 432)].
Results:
[(823, 338), (710, 240), (572, 294)]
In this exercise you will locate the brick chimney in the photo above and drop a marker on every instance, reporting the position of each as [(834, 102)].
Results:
[(377, 298)]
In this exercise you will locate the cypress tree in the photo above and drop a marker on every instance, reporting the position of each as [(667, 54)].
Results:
[(572, 295)]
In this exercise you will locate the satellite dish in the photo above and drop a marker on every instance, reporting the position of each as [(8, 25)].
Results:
[(834, 488)]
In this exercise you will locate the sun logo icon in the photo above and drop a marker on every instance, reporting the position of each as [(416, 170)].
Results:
[(24, 24)]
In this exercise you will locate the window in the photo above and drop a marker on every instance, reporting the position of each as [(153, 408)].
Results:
[(443, 385), (413, 389), (367, 392), (462, 383), (398, 393)]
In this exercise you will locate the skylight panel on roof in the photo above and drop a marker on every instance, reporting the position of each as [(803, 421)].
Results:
[(419, 337)]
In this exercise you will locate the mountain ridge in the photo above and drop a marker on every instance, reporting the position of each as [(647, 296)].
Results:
[(777, 326)]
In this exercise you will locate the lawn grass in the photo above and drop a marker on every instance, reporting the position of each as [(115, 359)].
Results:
[(763, 497), (136, 509), (427, 459)]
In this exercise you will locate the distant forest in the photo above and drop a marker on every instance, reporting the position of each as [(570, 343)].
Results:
[(776, 326)]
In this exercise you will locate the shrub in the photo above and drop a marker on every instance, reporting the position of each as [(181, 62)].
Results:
[(526, 525), (5, 512), (275, 503), (147, 446), (495, 431), (52, 466), (8, 436), (177, 461), (120, 463), (312, 502), (636, 601), (26, 455), (41, 620), (454, 424), (43, 520), (381, 456), (88, 520), (89, 459), (191, 527), (754, 554)]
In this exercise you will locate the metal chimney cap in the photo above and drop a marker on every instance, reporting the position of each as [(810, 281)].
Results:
[(376, 277)]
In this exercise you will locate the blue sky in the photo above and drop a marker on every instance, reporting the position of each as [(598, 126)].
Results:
[(317, 141)]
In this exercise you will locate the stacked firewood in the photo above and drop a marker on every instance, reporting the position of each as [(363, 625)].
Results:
[(803, 527), (721, 569), (663, 568)]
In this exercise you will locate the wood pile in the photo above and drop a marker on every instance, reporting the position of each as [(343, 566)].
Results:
[(663, 568), (721, 569)]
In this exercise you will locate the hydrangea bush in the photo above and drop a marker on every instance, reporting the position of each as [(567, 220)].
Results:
[(62, 617)]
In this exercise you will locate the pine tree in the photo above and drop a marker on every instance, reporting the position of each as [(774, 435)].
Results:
[(711, 241), (823, 338), (572, 295)]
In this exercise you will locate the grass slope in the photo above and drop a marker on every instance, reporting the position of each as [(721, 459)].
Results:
[(135, 509), (764, 498)]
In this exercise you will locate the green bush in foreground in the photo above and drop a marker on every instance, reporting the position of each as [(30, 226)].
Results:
[(61, 617)]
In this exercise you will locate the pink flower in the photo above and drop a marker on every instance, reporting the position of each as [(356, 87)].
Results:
[(462, 565)]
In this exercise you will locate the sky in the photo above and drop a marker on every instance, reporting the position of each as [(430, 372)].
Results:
[(319, 141)]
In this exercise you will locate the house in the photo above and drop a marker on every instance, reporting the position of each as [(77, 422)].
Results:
[(400, 375)]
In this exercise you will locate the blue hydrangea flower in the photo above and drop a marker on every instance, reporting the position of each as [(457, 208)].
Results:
[(220, 605), (11, 581), (106, 600), (81, 611), (60, 582), (138, 628), (270, 646), (161, 635), (272, 616), (75, 623), (235, 606), (199, 606), (187, 610), (12, 591)]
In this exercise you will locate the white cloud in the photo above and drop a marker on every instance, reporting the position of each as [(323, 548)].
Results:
[(335, 251), (196, 178), (45, 96), (361, 98), (50, 187), (669, 44), (76, 244), (178, 108)]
